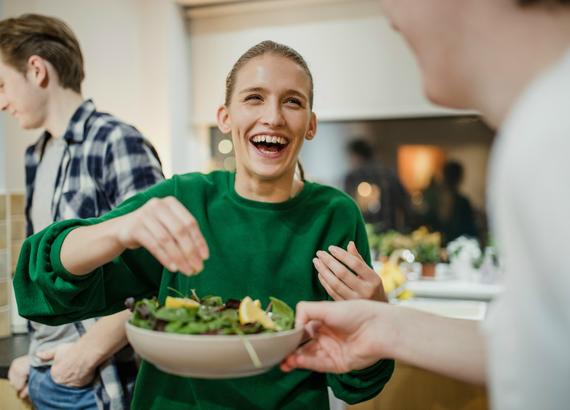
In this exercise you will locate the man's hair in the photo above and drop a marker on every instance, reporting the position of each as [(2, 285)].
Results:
[(46, 37)]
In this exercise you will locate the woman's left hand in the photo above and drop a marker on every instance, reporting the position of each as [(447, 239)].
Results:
[(345, 275)]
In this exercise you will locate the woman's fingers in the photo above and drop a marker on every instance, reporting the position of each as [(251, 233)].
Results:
[(339, 270), (354, 250), (167, 230), (353, 260), (370, 275), (350, 268), (152, 236), (337, 288), (189, 223), (329, 289), (179, 230), (160, 240)]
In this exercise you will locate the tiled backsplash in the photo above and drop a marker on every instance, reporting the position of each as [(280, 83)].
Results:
[(12, 233), (3, 233), (3, 207), (5, 329), (4, 275), (4, 292)]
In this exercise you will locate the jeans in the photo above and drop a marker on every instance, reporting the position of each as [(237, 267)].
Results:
[(48, 395)]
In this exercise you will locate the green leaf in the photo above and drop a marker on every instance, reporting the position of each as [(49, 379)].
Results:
[(179, 314), (212, 301), (282, 314)]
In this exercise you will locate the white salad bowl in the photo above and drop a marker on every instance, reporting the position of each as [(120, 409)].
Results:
[(212, 356)]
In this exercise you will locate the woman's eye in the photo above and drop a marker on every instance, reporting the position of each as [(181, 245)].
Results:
[(253, 97), (294, 101)]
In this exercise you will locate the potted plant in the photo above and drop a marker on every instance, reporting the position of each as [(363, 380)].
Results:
[(392, 241), (465, 258), (427, 250)]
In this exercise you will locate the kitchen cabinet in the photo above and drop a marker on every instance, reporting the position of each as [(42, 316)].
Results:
[(412, 388)]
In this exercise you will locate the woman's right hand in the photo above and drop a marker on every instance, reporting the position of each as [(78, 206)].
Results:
[(168, 231)]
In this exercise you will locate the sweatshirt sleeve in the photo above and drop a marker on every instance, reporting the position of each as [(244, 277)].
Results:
[(361, 385), (47, 293)]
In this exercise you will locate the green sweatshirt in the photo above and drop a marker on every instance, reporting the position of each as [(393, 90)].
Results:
[(257, 249)]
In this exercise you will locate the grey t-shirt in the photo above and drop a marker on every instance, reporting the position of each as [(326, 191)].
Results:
[(47, 337)]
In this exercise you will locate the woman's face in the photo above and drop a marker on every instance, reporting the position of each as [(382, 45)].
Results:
[(269, 117)]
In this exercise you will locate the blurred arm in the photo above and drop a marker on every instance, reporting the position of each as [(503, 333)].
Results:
[(452, 347)]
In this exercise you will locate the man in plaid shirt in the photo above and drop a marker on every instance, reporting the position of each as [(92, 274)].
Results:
[(85, 163)]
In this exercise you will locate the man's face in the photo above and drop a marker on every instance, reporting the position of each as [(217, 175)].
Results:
[(434, 31), (22, 97)]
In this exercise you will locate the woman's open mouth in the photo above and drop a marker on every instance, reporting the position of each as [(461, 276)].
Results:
[(269, 146)]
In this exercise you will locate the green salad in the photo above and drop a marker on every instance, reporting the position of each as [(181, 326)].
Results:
[(210, 315)]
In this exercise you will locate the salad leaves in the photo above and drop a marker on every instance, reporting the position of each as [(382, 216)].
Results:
[(209, 315)]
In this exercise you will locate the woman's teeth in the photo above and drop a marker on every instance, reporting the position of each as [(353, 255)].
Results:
[(269, 139)]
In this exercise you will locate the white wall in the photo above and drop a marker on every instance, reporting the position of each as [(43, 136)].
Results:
[(136, 68), (324, 158), (474, 158), (2, 135), (2, 155), (362, 68), (137, 55)]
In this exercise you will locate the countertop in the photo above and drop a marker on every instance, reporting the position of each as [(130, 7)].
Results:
[(457, 309), (10, 348), (454, 289)]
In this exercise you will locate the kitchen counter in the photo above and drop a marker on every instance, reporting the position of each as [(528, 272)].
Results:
[(457, 309), (454, 289)]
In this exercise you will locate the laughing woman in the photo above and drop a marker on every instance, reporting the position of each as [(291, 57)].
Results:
[(259, 231)]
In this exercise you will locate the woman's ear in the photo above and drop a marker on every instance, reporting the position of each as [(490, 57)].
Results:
[(311, 132), (223, 117), (38, 71)]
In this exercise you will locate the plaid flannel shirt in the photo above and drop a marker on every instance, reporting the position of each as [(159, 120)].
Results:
[(105, 162)]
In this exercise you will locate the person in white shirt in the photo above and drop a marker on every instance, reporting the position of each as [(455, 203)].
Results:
[(509, 59)]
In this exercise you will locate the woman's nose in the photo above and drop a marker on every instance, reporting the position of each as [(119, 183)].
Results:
[(273, 115)]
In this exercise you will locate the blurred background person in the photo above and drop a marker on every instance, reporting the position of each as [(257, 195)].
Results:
[(448, 211), (377, 189)]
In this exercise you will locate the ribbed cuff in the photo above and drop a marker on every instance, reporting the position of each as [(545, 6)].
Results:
[(55, 255)]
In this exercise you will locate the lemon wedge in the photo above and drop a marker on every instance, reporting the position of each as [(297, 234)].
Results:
[(172, 302), (251, 312)]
